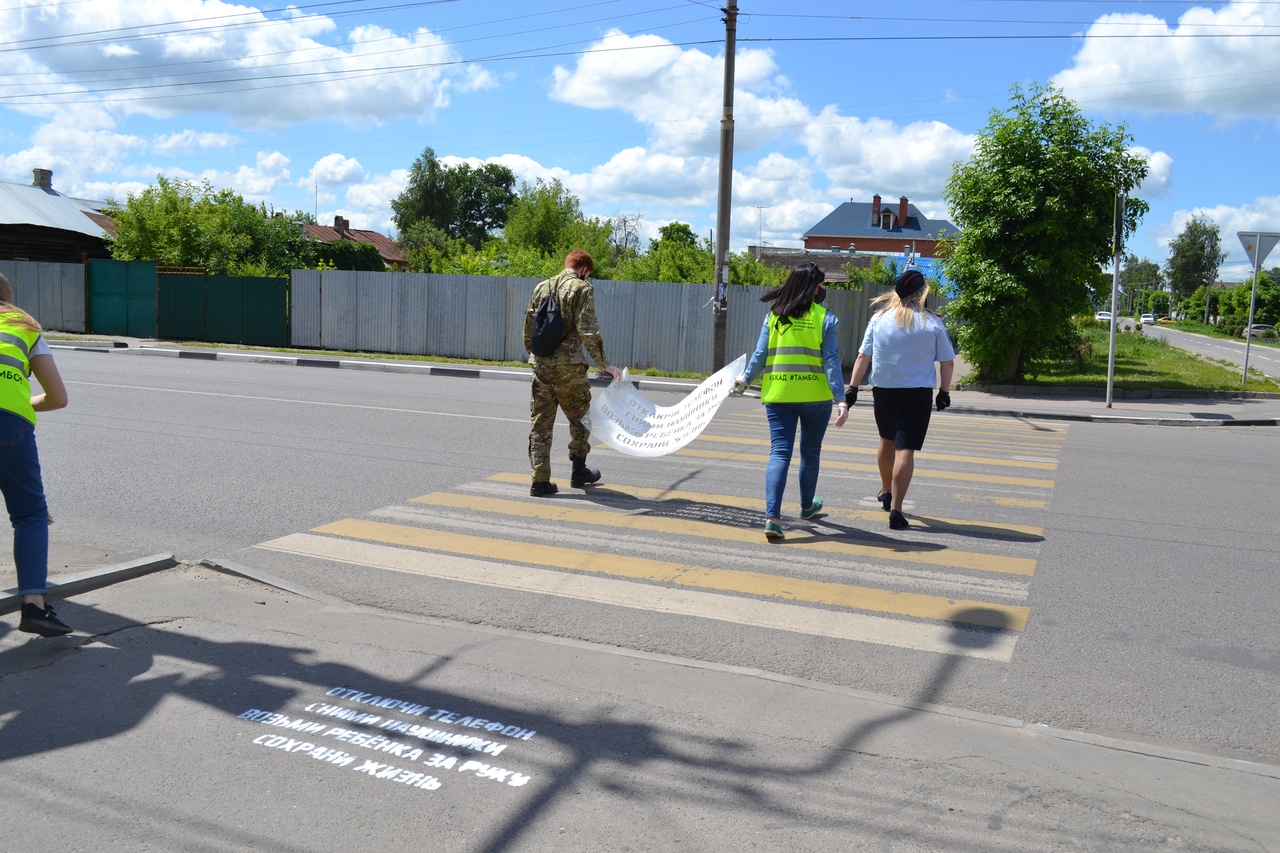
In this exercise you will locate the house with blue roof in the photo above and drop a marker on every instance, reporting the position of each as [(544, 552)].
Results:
[(886, 229)]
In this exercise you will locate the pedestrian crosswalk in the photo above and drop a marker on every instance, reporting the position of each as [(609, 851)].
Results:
[(957, 583)]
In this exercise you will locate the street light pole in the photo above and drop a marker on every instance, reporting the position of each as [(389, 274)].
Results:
[(719, 309), (760, 209)]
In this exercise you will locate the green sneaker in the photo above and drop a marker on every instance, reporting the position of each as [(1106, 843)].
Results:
[(773, 530), (812, 510)]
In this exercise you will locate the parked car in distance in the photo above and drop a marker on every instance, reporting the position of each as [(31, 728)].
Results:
[(1257, 330), (1147, 319), (1166, 321), (1105, 316)]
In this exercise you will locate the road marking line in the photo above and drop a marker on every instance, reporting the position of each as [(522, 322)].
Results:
[(1019, 503), (659, 571), (812, 621), (575, 513), (828, 446), (928, 474)]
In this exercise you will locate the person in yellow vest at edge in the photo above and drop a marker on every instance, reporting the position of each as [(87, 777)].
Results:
[(23, 351), (799, 356)]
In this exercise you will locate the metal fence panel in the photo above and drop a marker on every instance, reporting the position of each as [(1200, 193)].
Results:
[(72, 284), (375, 312), (409, 292), (616, 310), (485, 319), (518, 293), (265, 317), (304, 309), (340, 305), (446, 309), (180, 311), (659, 326), (224, 308)]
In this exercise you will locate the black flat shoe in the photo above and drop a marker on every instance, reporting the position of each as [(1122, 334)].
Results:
[(885, 500), (897, 521)]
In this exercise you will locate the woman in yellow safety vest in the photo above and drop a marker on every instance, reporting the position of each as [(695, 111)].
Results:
[(799, 356), (23, 351)]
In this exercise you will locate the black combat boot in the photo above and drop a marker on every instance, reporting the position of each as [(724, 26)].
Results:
[(541, 490), (582, 475)]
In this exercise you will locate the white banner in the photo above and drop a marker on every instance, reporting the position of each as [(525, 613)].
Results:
[(626, 421)]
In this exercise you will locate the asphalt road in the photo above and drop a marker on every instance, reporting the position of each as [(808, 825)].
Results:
[(1262, 358), (1132, 567)]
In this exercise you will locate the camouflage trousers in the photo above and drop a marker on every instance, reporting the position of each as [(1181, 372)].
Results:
[(555, 386)]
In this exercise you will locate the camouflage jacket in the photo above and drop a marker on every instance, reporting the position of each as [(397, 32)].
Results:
[(581, 328)]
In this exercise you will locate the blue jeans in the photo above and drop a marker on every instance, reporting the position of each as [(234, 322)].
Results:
[(783, 417), (24, 496)]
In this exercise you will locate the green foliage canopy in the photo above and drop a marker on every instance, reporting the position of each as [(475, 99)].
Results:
[(1194, 256), (1035, 205), (466, 203), (185, 224)]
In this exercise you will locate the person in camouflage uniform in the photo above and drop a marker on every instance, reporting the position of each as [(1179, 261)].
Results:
[(560, 379)]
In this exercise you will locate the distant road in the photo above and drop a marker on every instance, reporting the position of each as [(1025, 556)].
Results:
[(1263, 358)]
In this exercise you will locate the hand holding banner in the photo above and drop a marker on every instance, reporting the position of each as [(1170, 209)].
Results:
[(628, 422)]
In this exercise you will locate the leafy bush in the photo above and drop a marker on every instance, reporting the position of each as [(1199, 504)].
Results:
[(1232, 324)]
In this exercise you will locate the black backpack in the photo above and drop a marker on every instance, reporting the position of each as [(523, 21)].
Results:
[(548, 327)]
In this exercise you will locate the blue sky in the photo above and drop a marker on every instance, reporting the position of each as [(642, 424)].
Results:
[(324, 106)]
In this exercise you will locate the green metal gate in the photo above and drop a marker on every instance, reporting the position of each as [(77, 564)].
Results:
[(224, 309), (122, 297)]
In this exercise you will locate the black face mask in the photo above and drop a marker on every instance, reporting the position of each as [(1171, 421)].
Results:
[(820, 296)]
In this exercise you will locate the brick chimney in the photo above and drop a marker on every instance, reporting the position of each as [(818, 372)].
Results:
[(340, 225), (875, 210), (902, 212), (42, 178)]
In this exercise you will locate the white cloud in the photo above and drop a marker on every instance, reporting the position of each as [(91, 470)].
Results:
[(370, 201), (1262, 214), (913, 160), (1159, 180), (334, 169), (667, 89), (188, 140), (1212, 60), (260, 71)]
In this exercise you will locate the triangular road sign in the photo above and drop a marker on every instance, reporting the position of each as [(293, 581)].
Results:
[(1258, 244)]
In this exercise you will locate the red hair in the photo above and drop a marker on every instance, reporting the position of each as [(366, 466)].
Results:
[(579, 258)]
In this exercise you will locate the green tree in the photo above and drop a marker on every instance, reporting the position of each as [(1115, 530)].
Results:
[(465, 203), (1035, 206), (883, 272), (1138, 275), (185, 224), (1194, 256), (676, 255), (547, 219)]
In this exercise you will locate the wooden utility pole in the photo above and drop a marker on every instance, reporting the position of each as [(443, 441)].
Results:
[(719, 310)]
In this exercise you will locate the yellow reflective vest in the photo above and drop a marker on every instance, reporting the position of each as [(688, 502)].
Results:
[(15, 366), (793, 371)]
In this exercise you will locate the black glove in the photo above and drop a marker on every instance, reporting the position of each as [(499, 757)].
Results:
[(850, 395), (944, 400)]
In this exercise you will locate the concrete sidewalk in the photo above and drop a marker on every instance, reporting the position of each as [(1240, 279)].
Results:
[(200, 710), (1168, 408)]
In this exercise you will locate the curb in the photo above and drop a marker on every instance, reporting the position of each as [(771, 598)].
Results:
[(459, 372), (92, 579), (674, 385)]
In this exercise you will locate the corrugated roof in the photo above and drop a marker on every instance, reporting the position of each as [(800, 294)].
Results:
[(329, 234), (27, 204), (853, 219)]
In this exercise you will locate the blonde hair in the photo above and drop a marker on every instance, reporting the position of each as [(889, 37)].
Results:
[(19, 318), (904, 310)]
